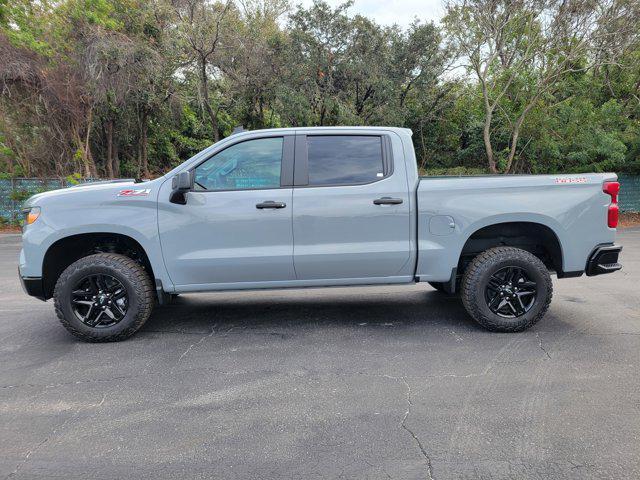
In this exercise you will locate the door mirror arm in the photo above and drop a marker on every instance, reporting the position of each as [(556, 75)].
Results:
[(180, 184)]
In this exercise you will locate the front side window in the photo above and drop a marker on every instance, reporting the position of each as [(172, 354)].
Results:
[(344, 159), (243, 166)]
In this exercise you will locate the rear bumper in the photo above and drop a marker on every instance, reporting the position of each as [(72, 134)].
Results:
[(604, 259), (33, 286)]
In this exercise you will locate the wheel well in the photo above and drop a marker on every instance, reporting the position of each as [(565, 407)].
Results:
[(536, 238), (69, 249)]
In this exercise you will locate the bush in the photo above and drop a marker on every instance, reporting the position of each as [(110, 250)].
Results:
[(20, 195), (453, 171)]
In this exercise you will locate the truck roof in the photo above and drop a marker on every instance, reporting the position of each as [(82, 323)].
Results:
[(345, 129)]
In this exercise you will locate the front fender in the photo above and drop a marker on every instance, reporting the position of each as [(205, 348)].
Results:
[(90, 211)]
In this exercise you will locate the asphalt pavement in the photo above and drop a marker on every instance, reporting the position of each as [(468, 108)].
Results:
[(362, 383)]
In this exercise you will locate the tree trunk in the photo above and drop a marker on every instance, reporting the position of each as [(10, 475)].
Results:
[(204, 92), (423, 159), (143, 167), (108, 127), (86, 161), (10, 164), (90, 166), (486, 135), (116, 160), (514, 137)]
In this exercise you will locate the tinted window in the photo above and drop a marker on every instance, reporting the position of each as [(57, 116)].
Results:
[(339, 160), (246, 165)]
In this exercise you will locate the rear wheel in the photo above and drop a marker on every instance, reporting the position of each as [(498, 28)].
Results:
[(506, 289), (104, 297)]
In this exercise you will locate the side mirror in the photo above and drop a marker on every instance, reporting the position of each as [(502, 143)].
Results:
[(180, 184)]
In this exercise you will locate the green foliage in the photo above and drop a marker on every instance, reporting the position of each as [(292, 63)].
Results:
[(455, 171), (73, 179), (20, 195), (19, 21), (10, 222), (116, 87)]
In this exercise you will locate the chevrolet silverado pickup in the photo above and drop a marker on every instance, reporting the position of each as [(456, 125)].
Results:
[(314, 207)]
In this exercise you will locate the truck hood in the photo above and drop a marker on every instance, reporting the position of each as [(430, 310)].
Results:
[(87, 190)]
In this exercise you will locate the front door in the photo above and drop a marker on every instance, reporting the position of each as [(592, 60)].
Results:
[(351, 215), (236, 226)]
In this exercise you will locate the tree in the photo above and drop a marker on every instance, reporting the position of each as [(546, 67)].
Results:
[(255, 68), (134, 87), (201, 29), (520, 50)]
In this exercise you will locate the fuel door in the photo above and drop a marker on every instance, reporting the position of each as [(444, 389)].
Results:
[(442, 225)]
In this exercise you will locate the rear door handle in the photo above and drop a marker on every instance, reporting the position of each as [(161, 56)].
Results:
[(387, 201), (270, 204)]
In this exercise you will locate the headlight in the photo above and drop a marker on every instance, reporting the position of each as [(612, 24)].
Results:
[(30, 214)]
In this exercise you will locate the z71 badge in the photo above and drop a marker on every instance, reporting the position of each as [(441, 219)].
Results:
[(139, 192)]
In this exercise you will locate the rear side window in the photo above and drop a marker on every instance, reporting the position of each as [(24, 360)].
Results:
[(344, 159)]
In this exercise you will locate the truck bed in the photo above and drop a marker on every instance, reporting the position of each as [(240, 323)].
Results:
[(452, 209)]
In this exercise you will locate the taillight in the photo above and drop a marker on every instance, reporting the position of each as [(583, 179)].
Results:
[(612, 189)]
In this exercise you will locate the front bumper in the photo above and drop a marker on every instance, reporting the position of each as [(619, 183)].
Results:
[(33, 286), (604, 259)]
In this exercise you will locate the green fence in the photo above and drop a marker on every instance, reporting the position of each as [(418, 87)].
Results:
[(13, 192), (629, 193)]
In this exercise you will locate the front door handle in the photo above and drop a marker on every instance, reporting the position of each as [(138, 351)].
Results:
[(270, 204), (387, 201)]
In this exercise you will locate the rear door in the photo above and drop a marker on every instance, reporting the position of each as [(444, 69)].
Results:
[(351, 217)]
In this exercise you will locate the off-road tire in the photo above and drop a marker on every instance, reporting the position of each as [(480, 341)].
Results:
[(475, 281), (129, 273)]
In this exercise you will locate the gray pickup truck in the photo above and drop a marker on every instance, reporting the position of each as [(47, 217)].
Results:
[(313, 207)]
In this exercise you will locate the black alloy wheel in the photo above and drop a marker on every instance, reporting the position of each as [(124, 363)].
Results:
[(510, 292), (99, 301), (506, 289), (104, 297)]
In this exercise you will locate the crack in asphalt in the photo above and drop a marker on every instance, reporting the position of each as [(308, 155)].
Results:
[(169, 372), (404, 426), (130, 377), (71, 417), (204, 337), (541, 347), (415, 437)]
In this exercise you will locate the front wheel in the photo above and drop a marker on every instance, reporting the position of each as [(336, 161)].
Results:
[(506, 289), (104, 297)]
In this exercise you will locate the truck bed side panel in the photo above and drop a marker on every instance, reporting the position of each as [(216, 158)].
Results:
[(573, 206)]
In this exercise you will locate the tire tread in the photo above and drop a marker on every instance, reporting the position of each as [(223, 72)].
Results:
[(472, 277), (127, 267)]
